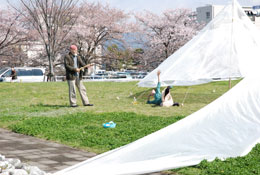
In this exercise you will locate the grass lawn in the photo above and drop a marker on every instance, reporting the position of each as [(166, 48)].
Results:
[(42, 110), (51, 99)]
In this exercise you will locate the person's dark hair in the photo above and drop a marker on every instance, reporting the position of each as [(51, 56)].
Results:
[(167, 90)]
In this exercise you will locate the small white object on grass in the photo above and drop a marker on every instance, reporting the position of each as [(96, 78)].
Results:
[(135, 101), (117, 98)]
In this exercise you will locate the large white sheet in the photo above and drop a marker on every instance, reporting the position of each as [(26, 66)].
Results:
[(228, 127), (227, 47)]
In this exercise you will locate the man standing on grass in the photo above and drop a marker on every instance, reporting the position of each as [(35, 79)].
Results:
[(72, 63)]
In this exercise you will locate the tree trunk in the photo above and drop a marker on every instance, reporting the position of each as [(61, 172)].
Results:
[(50, 75)]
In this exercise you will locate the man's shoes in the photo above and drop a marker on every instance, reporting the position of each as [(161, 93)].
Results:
[(74, 106), (88, 105)]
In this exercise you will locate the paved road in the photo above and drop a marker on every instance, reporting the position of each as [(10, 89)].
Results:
[(48, 156)]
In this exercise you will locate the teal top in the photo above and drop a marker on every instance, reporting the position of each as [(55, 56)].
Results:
[(157, 96)]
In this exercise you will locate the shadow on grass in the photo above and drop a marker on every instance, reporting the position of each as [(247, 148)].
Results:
[(50, 106), (141, 95), (155, 106)]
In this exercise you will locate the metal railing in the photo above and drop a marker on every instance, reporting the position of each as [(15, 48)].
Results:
[(103, 78)]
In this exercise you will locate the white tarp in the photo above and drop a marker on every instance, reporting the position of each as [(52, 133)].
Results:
[(225, 49), (228, 127)]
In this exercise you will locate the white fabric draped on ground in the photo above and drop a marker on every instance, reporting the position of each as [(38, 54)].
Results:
[(227, 47), (228, 127)]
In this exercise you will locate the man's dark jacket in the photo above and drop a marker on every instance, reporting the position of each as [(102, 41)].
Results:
[(69, 66)]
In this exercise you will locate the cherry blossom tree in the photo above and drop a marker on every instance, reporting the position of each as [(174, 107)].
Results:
[(97, 25), (166, 33), (52, 20), (13, 34)]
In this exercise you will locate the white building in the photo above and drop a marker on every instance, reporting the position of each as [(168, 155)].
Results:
[(208, 12)]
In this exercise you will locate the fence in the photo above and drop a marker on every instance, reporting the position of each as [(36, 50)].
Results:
[(102, 78)]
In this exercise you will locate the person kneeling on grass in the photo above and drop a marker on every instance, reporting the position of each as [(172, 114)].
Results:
[(164, 99)]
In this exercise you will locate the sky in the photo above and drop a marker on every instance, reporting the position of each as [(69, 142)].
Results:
[(158, 6)]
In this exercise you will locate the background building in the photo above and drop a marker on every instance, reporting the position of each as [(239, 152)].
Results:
[(208, 12)]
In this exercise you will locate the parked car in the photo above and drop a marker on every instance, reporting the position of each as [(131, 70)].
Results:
[(141, 75), (100, 72), (24, 74), (95, 76), (123, 75)]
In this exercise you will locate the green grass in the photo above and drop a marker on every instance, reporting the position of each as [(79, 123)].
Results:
[(85, 130), (51, 99), (247, 165), (42, 110)]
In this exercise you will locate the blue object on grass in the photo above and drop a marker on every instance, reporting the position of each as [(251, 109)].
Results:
[(110, 124)]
